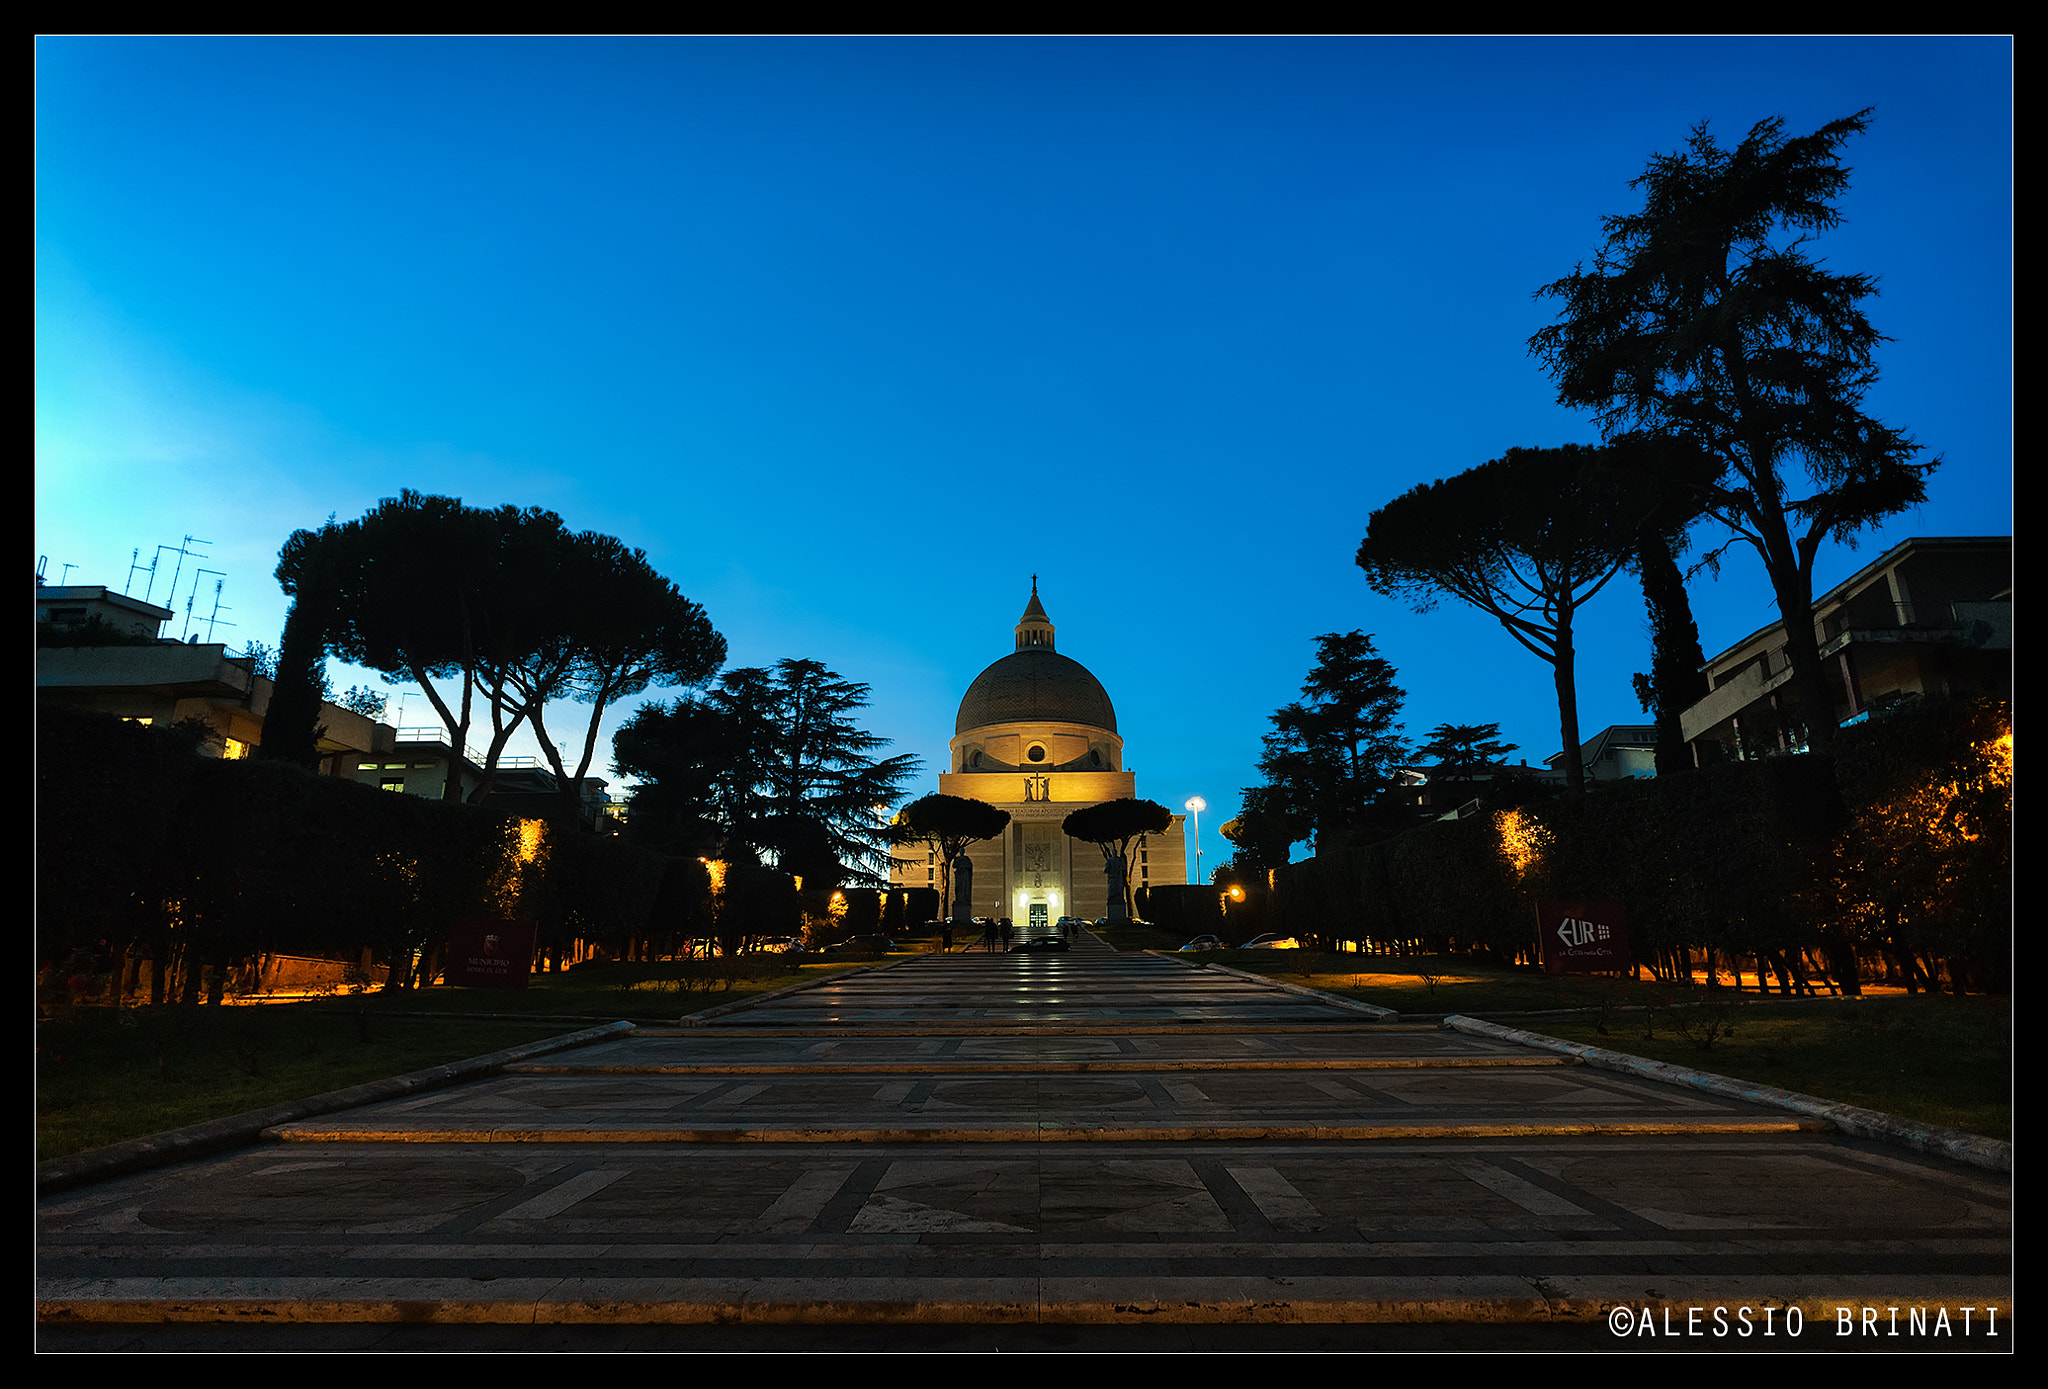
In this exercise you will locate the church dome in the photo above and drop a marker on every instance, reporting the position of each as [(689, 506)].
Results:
[(1035, 685)]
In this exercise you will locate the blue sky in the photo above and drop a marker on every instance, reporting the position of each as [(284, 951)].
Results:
[(852, 336)]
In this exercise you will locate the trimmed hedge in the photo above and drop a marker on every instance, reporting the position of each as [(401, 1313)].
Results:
[(145, 848), (1898, 848)]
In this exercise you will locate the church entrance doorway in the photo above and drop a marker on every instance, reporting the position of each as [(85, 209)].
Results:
[(1039, 919)]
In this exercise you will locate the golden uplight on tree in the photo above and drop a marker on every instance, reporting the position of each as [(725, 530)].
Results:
[(1522, 839), (532, 840)]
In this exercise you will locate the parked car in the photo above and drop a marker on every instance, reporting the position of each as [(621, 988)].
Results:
[(1205, 943), (1038, 942), (1272, 942), (861, 945)]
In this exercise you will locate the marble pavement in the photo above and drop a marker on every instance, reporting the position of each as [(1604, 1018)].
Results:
[(1081, 1138)]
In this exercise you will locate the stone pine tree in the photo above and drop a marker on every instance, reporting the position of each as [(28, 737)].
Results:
[(417, 588), (1529, 538), (949, 824), (1110, 827), (1704, 316), (618, 627)]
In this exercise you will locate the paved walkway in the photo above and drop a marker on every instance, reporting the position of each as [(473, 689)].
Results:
[(1047, 1138)]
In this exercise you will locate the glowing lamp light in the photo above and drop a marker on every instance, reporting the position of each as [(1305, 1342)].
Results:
[(1522, 838)]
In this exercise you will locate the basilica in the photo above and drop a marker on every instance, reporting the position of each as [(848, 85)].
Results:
[(1036, 736)]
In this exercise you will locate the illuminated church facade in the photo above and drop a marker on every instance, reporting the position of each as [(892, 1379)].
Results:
[(1036, 735)]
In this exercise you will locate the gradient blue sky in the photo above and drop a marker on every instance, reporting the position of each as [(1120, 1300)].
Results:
[(854, 335)]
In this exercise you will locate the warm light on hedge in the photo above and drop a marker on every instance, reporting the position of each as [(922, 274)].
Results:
[(1522, 838)]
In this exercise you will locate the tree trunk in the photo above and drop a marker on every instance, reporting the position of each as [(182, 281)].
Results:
[(1568, 707), (1792, 583)]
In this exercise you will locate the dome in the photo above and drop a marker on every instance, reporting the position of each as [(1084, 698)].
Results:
[(1035, 685)]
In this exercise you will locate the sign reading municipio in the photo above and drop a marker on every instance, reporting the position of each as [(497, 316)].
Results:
[(487, 953), (1582, 937)]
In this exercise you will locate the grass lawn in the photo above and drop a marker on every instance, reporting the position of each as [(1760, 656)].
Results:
[(104, 1075), (1935, 1058)]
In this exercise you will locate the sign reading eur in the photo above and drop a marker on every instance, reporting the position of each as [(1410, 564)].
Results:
[(1582, 937)]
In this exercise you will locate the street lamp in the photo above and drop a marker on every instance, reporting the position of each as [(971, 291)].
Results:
[(1195, 806)]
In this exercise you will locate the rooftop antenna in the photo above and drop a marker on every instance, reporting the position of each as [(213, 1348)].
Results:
[(193, 596), (65, 577), (177, 570), (150, 591), (215, 617), (135, 563), (42, 566)]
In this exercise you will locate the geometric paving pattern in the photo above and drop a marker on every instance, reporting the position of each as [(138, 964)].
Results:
[(1079, 1138)]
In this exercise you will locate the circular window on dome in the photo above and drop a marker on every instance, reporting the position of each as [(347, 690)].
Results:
[(974, 758), (1036, 752), (1095, 757)]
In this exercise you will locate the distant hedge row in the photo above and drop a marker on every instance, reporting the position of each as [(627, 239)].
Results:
[(1894, 856), (146, 850)]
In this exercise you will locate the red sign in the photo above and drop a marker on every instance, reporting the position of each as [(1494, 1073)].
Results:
[(1582, 937), (485, 953)]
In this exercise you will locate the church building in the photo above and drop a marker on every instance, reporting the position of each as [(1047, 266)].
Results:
[(1036, 736)]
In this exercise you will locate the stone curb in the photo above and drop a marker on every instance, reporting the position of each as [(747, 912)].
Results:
[(1125, 1065), (1373, 1009), (1055, 1132), (1971, 1148), (239, 1130)]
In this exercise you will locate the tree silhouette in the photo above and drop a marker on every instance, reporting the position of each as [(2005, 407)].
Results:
[(291, 725), (1331, 757), (1264, 832), (692, 775), (414, 592), (521, 610), (617, 627), (1703, 317), (774, 759), (1528, 538), (1110, 827), (949, 824), (1460, 750), (1676, 679)]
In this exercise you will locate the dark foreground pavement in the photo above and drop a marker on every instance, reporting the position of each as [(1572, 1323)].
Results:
[(1148, 1155)]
